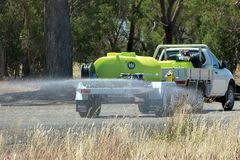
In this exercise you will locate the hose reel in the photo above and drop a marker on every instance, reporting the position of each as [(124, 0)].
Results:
[(88, 71)]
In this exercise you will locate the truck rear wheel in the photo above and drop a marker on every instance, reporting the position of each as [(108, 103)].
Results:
[(229, 99)]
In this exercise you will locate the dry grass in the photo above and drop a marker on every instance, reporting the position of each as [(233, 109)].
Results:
[(76, 70), (237, 75), (182, 138)]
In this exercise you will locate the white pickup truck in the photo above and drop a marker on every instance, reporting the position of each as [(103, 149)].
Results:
[(202, 72)]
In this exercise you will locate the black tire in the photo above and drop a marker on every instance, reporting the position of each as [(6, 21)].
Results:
[(158, 112), (165, 108), (91, 112), (82, 108), (83, 114), (229, 99), (144, 108), (93, 108)]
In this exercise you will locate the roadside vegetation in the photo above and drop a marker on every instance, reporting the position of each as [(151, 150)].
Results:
[(98, 27), (180, 138)]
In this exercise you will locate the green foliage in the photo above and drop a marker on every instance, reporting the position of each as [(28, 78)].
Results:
[(98, 27), (14, 37), (10, 28), (101, 26), (152, 32), (217, 24), (91, 28), (35, 37)]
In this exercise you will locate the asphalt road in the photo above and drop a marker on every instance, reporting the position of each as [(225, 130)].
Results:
[(64, 115)]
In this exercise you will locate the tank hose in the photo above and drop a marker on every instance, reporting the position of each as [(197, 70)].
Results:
[(88, 71)]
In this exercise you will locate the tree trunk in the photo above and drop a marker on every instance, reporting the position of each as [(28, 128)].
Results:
[(168, 34), (131, 35), (2, 62), (26, 59), (169, 14), (237, 4), (135, 12), (58, 44)]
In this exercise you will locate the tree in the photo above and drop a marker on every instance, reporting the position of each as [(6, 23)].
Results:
[(135, 9), (2, 62), (26, 30), (98, 27), (169, 14), (217, 25), (21, 34), (237, 4), (103, 26), (10, 28), (58, 44)]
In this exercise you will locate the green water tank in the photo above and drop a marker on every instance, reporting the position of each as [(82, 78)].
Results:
[(114, 64)]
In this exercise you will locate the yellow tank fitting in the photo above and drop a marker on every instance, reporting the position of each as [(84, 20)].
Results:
[(169, 76)]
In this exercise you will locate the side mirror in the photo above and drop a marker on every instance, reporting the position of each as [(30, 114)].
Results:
[(224, 64)]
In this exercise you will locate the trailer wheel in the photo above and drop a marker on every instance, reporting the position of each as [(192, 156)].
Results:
[(83, 114), (144, 108), (91, 108), (229, 99), (91, 112)]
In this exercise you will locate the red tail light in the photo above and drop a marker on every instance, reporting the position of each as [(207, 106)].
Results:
[(181, 82), (85, 91)]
